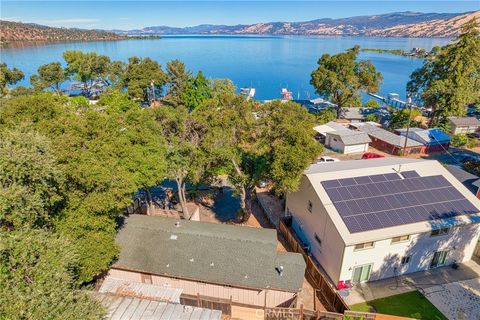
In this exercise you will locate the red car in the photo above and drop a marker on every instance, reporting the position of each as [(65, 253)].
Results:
[(371, 155)]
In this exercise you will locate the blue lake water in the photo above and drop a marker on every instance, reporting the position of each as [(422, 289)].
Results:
[(267, 63)]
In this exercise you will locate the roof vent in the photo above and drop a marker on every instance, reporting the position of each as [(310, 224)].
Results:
[(191, 260), (177, 224), (168, 265), (246, 276), (279, 270), (212, 264), (173, 237)]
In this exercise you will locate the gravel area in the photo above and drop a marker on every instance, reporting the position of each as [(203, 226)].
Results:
[(457, 300)]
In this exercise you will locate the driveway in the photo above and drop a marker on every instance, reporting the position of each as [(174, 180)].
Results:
[(458, 300)]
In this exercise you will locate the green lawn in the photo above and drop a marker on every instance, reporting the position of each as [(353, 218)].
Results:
[(411, 304)]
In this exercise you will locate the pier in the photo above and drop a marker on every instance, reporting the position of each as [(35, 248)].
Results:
[(393, 100)]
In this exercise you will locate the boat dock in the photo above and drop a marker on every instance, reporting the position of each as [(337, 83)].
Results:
[(393, 100)]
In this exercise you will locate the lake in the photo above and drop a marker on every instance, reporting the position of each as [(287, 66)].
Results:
[(267, 63)]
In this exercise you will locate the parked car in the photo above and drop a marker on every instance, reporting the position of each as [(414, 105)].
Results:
[(371, 155), (327, 159)]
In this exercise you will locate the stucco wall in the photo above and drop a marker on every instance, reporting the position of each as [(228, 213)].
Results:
[(306, 224), (385, 255), (239, 295)]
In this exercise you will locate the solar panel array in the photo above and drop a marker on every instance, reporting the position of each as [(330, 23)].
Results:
[(386, 200)]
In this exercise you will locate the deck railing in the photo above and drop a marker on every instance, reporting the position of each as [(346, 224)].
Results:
[(324, 290)]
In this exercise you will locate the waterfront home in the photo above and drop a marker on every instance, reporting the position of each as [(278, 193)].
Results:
[(347, 141), (231, 264), (463, 124), (372, 219), (390, 142), (433, 139), (322, 130)]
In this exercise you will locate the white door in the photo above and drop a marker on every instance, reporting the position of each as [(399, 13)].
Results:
[(355, 148)]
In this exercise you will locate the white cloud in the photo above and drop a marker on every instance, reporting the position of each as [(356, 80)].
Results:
[(10, 18), (70, 21)]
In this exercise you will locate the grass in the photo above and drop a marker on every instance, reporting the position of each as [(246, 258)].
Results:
[(411, 304)]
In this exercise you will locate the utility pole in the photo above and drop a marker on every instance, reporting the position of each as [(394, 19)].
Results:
[(409, 106)]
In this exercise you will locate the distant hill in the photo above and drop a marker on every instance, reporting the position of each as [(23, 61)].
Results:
[(17, 31), (399, 24)]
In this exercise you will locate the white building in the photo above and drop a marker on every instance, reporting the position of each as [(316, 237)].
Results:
[(463, 124), (372, 219), (341, 139), (347, 141)]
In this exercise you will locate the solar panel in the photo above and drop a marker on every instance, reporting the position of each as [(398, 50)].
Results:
[(385, 200)]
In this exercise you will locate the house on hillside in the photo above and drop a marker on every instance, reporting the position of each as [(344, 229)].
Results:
[(238, 265), (390, 142), (463, 124), (433, 139), (371, 219), (347, 141)]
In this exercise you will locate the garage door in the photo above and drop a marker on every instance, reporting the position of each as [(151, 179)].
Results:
[(356, 148)]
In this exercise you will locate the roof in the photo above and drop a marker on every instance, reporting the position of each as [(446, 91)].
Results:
[(126, 308), (426, 136), (350, 137), (389, 137), (328, 127), (430, 169), (208, 252), (132, 289), (470, 181), (464, 121), (357, 113)]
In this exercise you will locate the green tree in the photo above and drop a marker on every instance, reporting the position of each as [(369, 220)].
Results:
[(340, 78), (273, 142), (399, 118), (196, 91), (140, 75), (449, 80), (178, 81), (30, 181), (372, 117), (50, 75), (372, 104), (461, 140), (8, 77), (325, 115), (88, 68), (182, 135), (38, 278), (221, 87)]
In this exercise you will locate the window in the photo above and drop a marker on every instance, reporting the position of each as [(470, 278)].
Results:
[(317, 238), (365, 245), (400, 239), (310, 206), (406, 260), (439, 232)]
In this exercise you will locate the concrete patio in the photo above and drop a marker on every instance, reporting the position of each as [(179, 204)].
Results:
[(406, 283)]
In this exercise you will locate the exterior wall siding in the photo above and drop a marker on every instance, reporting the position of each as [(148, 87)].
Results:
[(306, 224), (271, 298), (386, 256)]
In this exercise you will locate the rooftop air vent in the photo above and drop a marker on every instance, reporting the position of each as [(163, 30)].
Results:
[(279, 270)]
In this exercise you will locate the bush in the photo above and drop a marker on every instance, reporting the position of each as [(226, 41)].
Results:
[(460, 140)]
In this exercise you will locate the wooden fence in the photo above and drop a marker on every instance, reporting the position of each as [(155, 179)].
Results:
[(208, 302), (324, 290)]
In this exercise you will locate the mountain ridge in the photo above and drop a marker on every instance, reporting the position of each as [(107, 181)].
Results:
[(396, 24)]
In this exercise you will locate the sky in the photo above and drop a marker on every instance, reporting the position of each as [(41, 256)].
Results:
[(138, 14)]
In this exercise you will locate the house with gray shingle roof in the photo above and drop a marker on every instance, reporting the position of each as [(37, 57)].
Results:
[(463, 124), (213, 260), (390, 142), (347, 141)]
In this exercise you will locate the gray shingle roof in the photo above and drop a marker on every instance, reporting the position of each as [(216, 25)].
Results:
[(388, 136), (471, 181), (464, 121), (351, 137), (215, 253)]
